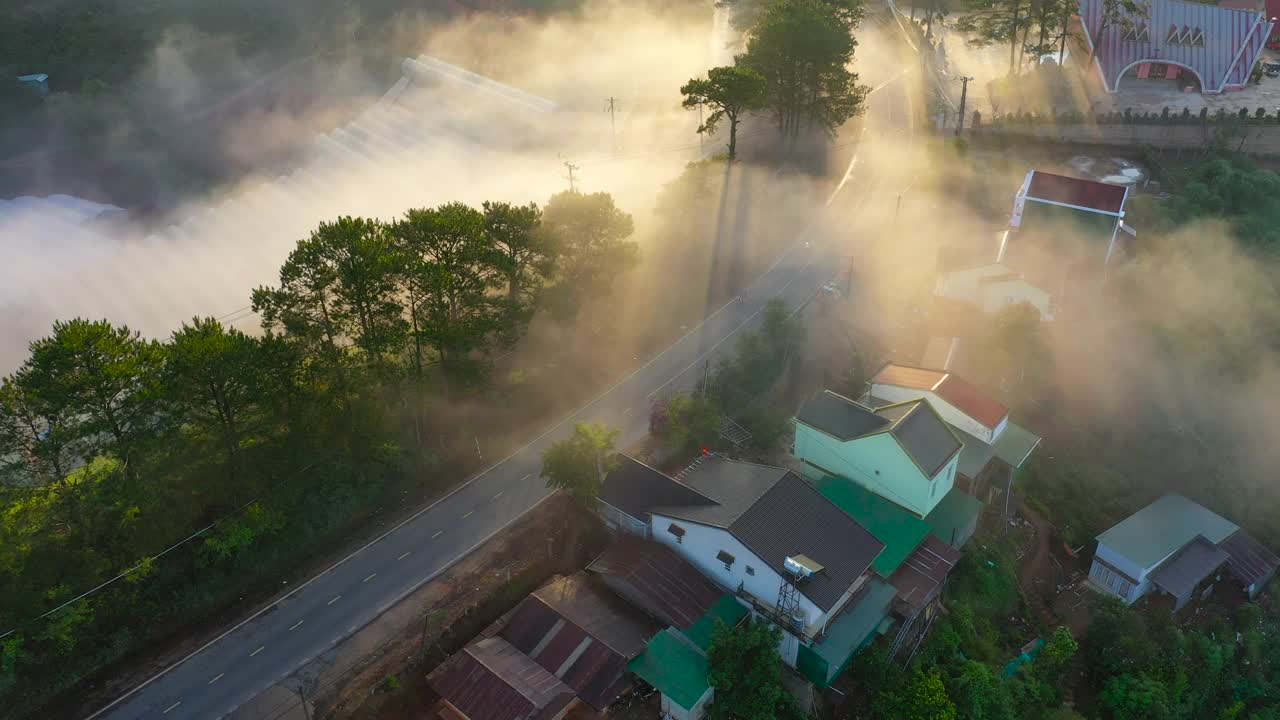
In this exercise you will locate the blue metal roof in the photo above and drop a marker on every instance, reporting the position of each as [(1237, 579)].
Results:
[(1218, 44)]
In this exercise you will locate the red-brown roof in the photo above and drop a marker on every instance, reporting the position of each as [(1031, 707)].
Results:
[(921, 575), (960, 393), (582, 635), (491, 680), (653, 577), (967, 398), (1090, 194)]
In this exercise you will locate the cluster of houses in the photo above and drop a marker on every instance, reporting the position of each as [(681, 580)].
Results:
[(854, 539)]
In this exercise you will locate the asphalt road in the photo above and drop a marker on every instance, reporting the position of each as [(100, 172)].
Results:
[(220, 677)]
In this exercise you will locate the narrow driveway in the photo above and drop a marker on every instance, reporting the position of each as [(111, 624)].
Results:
[(261, 651)]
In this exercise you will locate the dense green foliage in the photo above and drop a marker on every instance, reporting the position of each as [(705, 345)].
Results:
[(1145, 665), (579, 463), (803, 49), (957, 671), (1233, 190), (1031, 28), (114, 447), (746, 673)]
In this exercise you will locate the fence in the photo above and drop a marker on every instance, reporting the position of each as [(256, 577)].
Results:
[(1253, 133)]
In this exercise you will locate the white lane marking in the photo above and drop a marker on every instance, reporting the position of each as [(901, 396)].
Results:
[(371, 576), (334, 600), (526, 477), (468, 514), (295, 625), (626, 412), (438, 534), (171, 707), (404, 555), (499, 494), (260, 649), (555, 426), (215, 679)]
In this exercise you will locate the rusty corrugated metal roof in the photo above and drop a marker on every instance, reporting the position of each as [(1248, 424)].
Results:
[(491, 680), (580, 635), (1090, 194), (1218, 44), (653, 577)]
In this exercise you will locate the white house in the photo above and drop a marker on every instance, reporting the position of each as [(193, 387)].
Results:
[(1178, 547), (992, 287), (772, 539), (958, 401)]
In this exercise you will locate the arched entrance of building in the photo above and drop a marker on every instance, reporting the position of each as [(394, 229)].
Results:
[(1158, 76)]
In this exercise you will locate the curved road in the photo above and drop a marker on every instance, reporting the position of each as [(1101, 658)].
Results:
[(259, 652)]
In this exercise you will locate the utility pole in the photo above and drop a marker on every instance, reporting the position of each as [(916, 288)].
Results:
[(964, 94), (573, 187), (613, 124), (706, 378), (302, 695)]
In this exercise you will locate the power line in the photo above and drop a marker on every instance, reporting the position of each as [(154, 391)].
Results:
[(613, 124), (573, 187)]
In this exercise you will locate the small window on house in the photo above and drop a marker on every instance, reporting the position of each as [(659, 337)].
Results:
[(725, 558), (678, 532), (751, 570)]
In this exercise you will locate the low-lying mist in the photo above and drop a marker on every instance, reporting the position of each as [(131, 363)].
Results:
[(438, 140)]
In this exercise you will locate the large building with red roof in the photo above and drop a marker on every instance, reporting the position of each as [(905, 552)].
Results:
[(1211, 47)]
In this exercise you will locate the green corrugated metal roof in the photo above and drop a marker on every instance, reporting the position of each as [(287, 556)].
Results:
[(1161, 528), (957, 510), (851, 629), (674, 666), (1015, 444), (899, 530), (727, 609)]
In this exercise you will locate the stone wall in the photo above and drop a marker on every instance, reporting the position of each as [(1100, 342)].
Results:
[(1252, 135)]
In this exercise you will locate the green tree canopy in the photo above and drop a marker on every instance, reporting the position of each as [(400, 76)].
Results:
[(579, 463), (591, 234), (746, 673), (728, 92), (450, 270), (803, 48)]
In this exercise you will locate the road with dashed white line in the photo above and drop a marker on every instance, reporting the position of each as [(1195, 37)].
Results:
[(227, 672)]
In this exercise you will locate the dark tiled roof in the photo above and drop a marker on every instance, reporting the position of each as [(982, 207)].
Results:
[(1074, 191), (491, 680), (581, 635), (654, 578), (793, 518), (839, 416), (1250, 561), (634, 487), (919, 578), (1180, 574), (922, 433), (733, 485)]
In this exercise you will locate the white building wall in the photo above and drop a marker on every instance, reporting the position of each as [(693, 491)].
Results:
[(963, 285), (701, 544), (1101, 576), (1000, 295), (948, 412)]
